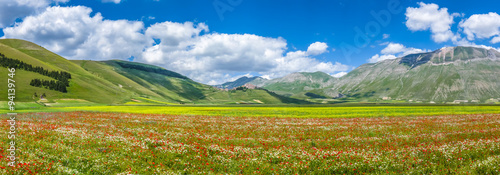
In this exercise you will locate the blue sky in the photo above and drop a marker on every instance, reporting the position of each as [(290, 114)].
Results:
[(220, 40)]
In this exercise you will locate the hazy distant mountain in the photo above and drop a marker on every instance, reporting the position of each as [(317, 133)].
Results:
[(444, 75), (297, 84), (237, 83)]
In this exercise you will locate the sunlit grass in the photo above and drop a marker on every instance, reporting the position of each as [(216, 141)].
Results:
[(124, 143), (300, 112)]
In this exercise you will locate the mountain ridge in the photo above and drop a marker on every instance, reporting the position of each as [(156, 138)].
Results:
[(297, 84), (118, 82), (238, 82), (444, 75)]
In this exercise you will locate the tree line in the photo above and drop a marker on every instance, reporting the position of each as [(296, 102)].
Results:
[(152, 69), (49, 84), (61, 76)]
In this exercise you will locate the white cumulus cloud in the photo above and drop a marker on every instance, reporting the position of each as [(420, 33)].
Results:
[(393, 51), (172, 33), (214, 55), (73, 33), (187, 48), (376, 58), (431, 17), (439, 21), (300, 61), (495, 40), (317, 48), (340, 74), (184, 48), (393, 48), (464, 42), (482, 26), (400, 50), (10, 10), (114, 39)]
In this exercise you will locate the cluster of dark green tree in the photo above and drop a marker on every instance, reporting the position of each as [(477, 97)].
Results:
[(61, 76), (313, 95), (241, 88), (152, 69), (49, 84)]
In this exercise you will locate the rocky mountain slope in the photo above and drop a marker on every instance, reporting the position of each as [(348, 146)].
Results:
[(444, 75)]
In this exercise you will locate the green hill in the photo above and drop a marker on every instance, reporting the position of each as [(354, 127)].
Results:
[(83, 84), (297, 85), (144, 80), (148, 82), (445, 75), (237, 83), (117, 82)]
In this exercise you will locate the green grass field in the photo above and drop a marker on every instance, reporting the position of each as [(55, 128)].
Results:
[(118, 143), (304, 111), (254, 139)]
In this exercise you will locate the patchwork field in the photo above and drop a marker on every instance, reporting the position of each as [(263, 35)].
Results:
[(299, 111), (133, 143)]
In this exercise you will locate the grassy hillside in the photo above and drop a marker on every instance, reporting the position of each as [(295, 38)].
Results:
[(145, 84), (83, 85), (117, 82), (297, 85), (239, 82), (151, 86)]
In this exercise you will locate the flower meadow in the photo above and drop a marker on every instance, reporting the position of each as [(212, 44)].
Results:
[(125, 143)]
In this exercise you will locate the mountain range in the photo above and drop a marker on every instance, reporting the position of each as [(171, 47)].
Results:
[(117, 82), (452, 74), (239, 82), (445, 75)]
